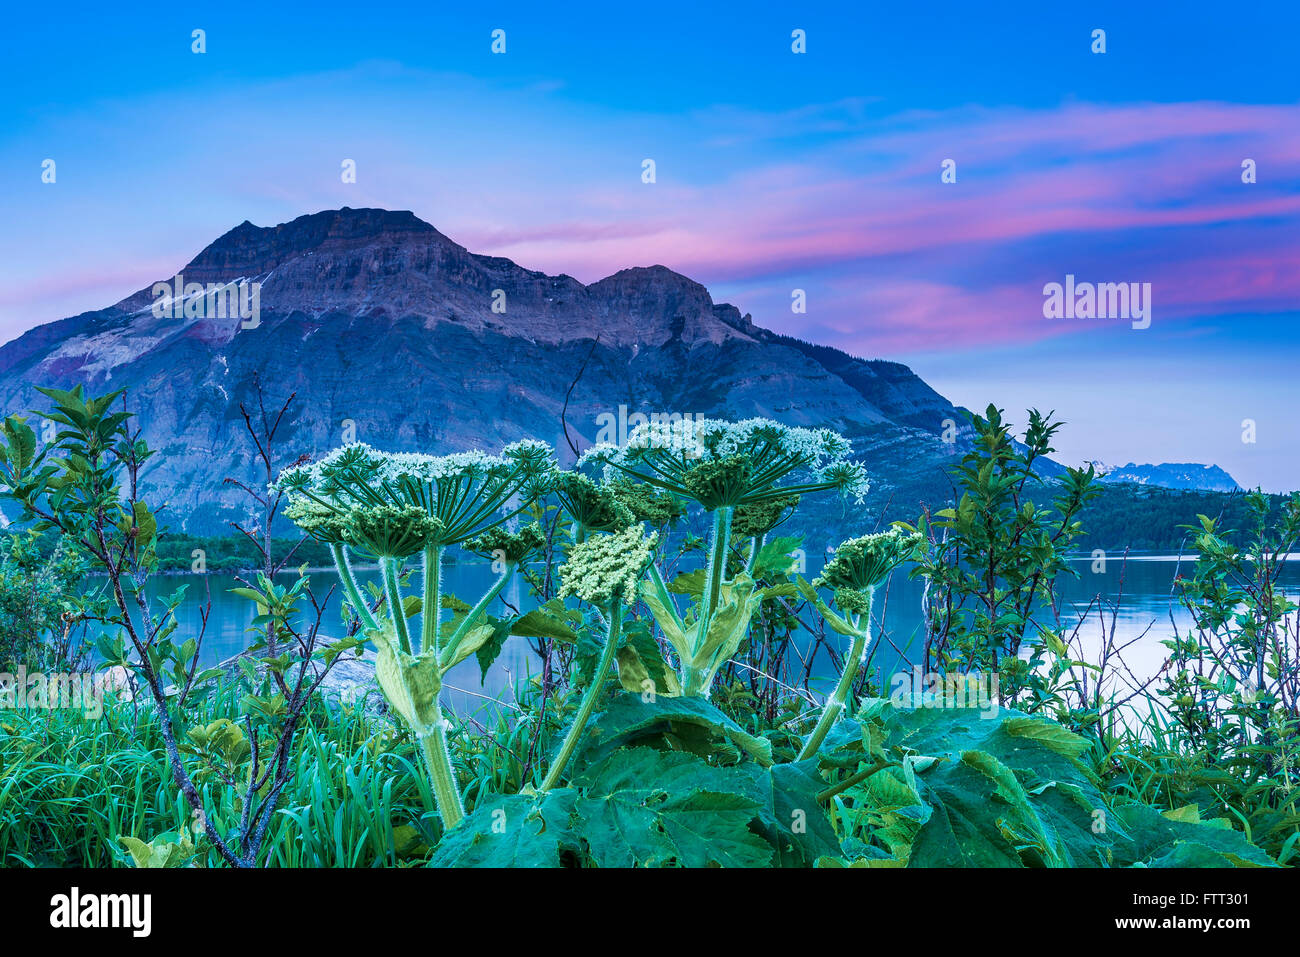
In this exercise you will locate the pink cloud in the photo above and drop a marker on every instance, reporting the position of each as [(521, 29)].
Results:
[(1086, 177)]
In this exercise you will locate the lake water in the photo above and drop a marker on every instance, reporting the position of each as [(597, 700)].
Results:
[(1143, 612)]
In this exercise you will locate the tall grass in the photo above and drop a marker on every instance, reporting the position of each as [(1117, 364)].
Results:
[(69, 786)]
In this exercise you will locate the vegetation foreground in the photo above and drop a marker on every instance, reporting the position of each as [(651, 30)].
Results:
[(669, 721)]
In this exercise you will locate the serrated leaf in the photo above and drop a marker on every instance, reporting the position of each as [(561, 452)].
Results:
[(540, 623), (655, 808), (630, 721), (1049, 733), (793, 820), (514, 830)]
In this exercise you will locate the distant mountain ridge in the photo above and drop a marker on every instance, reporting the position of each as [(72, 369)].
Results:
[(1175, 475), (386, 331)]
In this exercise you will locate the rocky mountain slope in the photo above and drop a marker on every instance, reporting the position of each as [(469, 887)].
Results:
[(1175, 475), (386, 330)]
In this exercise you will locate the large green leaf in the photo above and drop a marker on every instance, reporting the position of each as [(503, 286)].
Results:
[(514, 830), (793, 820), (1048, 733), (1003, 789), (974, 787), (551, 620), (969, 827), (1027, 745), (676, 723), (1157, 840), (659, 808)]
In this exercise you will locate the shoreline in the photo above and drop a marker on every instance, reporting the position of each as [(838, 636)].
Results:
[(1110, 557)]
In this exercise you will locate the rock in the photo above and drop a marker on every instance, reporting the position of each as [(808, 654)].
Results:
[(1175, 475), (351, 680)]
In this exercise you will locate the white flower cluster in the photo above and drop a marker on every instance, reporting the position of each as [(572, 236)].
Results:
[(607, 567), (823, 452), (426, 469), (378, 467), (717, 438), (310, 475)]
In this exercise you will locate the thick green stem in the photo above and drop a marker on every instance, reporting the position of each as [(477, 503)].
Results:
[(695, 682), (852, 781), (589, 700), (755, 546), (697, 676), (716, 571), (431, 609), (359, 604), (835, 703), (437, 760), (393, 597)]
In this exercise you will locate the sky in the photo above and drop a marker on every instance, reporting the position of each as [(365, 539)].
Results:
[(775, 171)]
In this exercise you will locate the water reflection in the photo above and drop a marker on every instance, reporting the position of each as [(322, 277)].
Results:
[(1142, 589)]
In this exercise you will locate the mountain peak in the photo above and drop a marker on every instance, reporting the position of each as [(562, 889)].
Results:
[(1175, 475), (373, 316), (250, 250), (655, 273)]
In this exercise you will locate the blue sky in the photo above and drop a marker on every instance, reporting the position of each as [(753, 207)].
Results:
[(775, 171)]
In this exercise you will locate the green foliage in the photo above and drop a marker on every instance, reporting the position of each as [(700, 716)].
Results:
[(671, 782), (653, 808), (1226, 730), (38, 615), (176, 552), (949, 787), (85, 485), (80, 793), (1146, 518), (672, 723), (992, 558)]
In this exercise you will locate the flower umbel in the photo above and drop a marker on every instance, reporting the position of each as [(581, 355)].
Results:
[(592, 506), (607, 568), (647, 504), (512, 547), (760, 518), (467, 492), (723, 464), (320, 522), (860, 564), (387, 531)]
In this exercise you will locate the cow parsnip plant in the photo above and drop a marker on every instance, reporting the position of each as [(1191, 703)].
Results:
[(858, 566), (724, 467), (604, 571), (392, 506)]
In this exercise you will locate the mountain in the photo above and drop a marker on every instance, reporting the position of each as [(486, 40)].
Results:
[(1175, 475), (386, 329)]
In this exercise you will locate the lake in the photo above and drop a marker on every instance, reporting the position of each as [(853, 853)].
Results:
[(1143, 613)]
